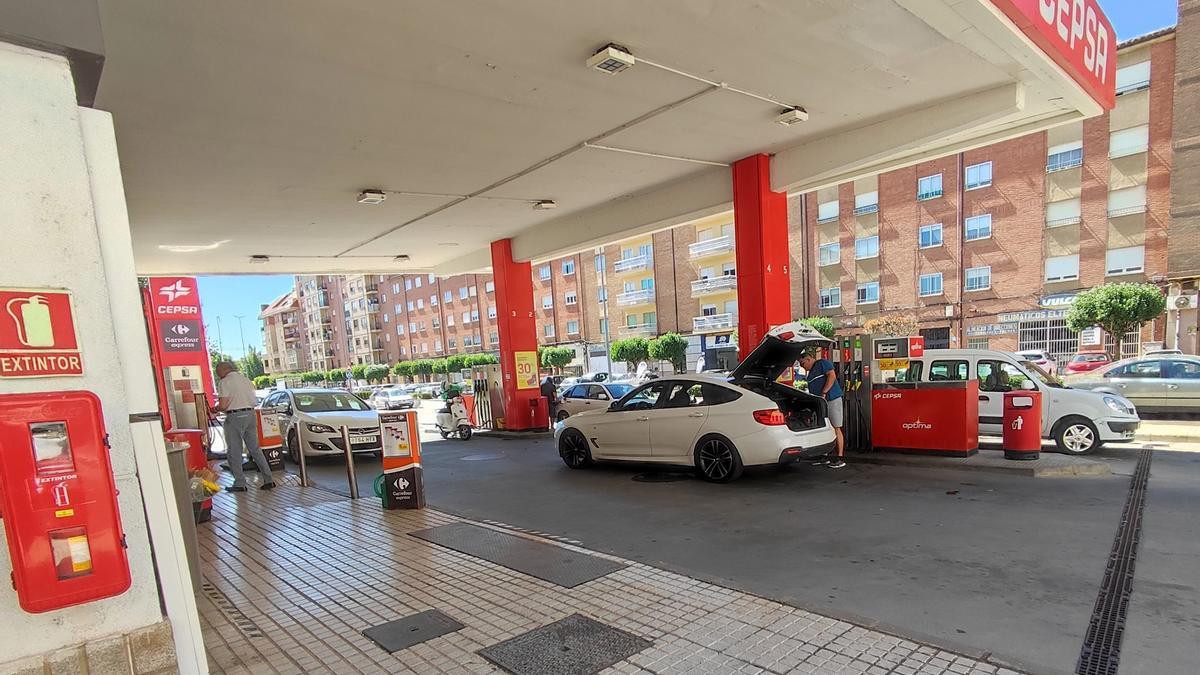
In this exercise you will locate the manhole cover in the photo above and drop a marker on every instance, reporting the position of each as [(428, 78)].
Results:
[(394, 636), (662, 477), (573, 645), (482, 457)]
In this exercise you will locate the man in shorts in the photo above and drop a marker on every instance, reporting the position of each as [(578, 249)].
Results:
[(822, 379)]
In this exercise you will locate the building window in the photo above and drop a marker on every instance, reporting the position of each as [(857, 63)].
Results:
[(548, 330), (463, 293), (437, 345), (1135, 77), (570, 298), (599, 262), (568, 268), (399, 329), (411, 305), (830, 297), (1064, 212), (408, 284), (930, 235), (492, 312), (977, 343), (866, 247), (1129, 260), (602, 293), (829, 254), (473, 290), (417, 282), (433, 301), (547, 302), (572, 327), (474, 315), (395, 289), (451, 343), (493, 338), (979, 227), (1131, 141), (650, 319), (866, 203), (929, 187), (828, 211), (412, 327), (436, 322), (1062, 268), (447, 296), (1064, 156), (979, 175), (979, 278), (544, 272), (868, 293), (387, 318), (420, 303), (604, 326), (1127, 201), (466, 318), (931, 284), (449, 320), (489, 287)]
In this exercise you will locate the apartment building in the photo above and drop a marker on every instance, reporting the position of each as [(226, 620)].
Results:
[(281, 335), (317, 295), (988, 248)]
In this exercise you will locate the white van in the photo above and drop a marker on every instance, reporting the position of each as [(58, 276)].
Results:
[(1079, 421)]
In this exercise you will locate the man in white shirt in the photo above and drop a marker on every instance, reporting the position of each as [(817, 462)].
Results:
[(235, 397)]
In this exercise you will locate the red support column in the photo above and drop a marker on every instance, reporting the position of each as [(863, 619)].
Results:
[(761, 234), (518, 335)]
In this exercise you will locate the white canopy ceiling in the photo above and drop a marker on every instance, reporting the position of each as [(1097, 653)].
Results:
[(249, 128)]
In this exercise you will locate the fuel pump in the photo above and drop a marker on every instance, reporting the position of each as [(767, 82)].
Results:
[(854, 369)]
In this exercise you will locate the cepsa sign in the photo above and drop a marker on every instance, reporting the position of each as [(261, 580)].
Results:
[(174, 297), (1076, 35), (37, 334)]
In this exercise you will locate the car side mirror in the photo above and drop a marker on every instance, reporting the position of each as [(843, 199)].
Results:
[(284, 409), (1028, 385), (602, 397)]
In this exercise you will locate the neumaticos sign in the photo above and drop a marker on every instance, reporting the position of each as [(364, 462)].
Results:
[(1076, 35)]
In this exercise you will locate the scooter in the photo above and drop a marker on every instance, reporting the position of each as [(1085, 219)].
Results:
[(452, 420)]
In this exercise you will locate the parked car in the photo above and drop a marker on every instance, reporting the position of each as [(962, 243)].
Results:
[(589, 396), (1079, 421), (1154, 384), (593, 377), (393, 398), (1086, 362), (717, 426), (1163, 352), (1041, 358), (312, 419)]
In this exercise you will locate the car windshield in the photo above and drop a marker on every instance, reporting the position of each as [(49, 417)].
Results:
[(1089, 358), (619, 390), (328, 401), (1042, 376), (396, 393)]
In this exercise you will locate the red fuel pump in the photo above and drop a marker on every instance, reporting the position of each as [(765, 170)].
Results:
[(60, 513)]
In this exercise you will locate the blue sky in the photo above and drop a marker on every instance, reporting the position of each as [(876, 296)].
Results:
[(228, 296), (1131, 18)]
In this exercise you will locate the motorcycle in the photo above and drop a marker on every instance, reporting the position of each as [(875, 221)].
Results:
[(452, 420)]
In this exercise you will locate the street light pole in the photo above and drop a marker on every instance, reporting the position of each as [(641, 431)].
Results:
[(241, 336)]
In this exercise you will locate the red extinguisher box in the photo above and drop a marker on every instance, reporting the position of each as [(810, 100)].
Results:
[(540, 417), (60, 501), (1022, 424)]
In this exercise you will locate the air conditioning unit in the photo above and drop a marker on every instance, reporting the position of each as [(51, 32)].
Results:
[(1183, 301)]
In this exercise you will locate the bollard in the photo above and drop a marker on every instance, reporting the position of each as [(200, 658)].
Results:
[(300, 455), (350, 475)]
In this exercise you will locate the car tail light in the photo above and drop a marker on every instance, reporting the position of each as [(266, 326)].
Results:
[(786, 335), (771, 418)]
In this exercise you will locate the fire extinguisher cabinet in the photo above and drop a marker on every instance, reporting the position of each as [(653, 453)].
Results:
[(1022, 424)]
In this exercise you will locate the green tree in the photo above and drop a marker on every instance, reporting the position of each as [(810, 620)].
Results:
[(423, 367), (630, 350), (263, 382), (557, 358), (404, 369), (1116, 308), (455, 363), (481, 359), (821, 324), (251, 364), (216, 356), (376, 372), (336, 375), (311, 376), (893, 325), (670, 347), (358, 371)]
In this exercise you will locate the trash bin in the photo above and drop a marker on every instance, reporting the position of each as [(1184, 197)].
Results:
[(541, 412), (1022, 424), (181, 482)]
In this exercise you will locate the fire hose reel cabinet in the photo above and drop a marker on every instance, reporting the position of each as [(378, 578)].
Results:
[(59, 501)]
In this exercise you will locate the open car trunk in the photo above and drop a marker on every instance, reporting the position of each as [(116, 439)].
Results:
[(779, 350)]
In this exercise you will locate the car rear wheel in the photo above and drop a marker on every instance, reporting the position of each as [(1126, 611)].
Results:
[(717, 460), (574, 450), (1077, 436)]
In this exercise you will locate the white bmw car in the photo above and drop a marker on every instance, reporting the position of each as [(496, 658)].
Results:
[(718, 425)]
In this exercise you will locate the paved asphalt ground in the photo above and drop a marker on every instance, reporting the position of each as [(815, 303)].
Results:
[(983, 563)]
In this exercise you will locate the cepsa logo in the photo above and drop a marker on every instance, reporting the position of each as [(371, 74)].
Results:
[(1077, 22), (887, 394)]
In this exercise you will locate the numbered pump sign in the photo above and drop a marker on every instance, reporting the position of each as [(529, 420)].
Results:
[(403, 487)]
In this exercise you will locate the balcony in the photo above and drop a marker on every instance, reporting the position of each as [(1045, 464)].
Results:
[(1132, 87), (1062, 222), (1127, 150), (639, 330), (713, 322), (932, 194), (632, 264), (727, 282), (867, 208), (1062, 163), (702, 249), (1127, 211), (640, 296), (828, 219)]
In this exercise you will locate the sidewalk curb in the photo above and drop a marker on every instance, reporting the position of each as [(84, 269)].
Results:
[(1165, 438)]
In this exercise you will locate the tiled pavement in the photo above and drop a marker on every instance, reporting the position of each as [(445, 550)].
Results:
[(297, 573)]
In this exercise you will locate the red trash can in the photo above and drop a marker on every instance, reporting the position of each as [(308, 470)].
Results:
[(1022, 424)]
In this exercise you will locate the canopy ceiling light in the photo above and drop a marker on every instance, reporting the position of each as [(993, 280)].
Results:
[(544, 205), (374, 196), (611, 59), (259, 259), (403, 257), (371, 197), (791, 116)]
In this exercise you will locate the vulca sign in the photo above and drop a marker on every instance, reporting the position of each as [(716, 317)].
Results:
[(1076, 35)]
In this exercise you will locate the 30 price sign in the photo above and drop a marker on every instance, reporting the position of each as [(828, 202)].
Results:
[(527, 369)]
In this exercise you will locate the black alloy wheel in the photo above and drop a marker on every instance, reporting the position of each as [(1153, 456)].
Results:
[(717, 460), (574, 450)]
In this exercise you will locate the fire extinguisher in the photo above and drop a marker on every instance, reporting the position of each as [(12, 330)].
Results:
[(33, 326)]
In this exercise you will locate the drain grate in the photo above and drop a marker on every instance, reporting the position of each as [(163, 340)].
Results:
[(662, 477), (411, 630), (1101, 651), (230, 610), (575, 645)]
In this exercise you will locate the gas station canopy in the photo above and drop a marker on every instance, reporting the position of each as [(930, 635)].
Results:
[(250, 129)]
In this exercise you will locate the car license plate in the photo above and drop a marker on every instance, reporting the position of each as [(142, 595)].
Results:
[(360, 440)]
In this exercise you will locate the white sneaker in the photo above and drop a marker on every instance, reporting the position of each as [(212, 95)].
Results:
[(837, 464)]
